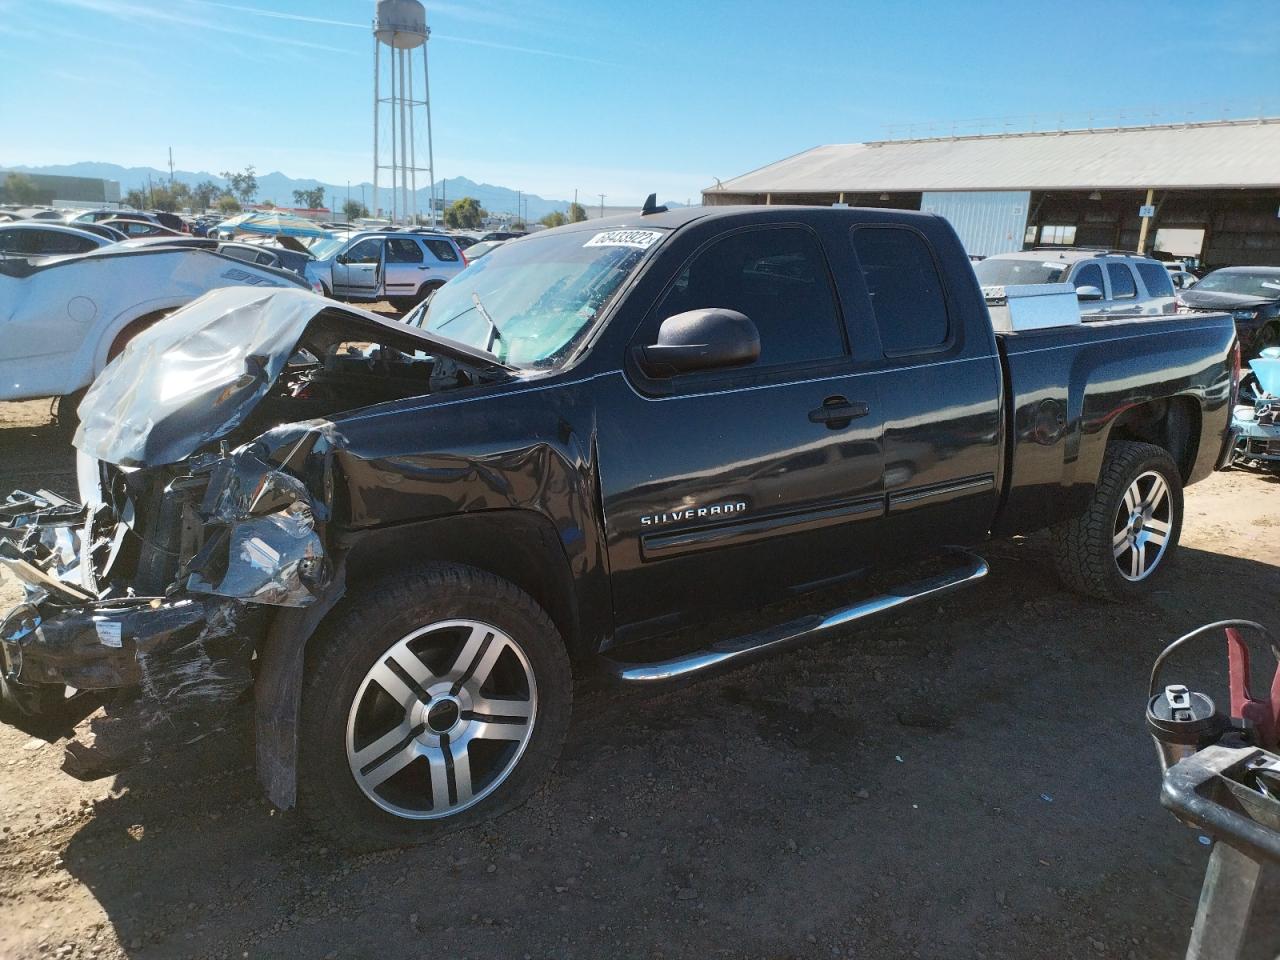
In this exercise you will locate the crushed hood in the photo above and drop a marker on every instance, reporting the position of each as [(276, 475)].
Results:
[(196, 375)]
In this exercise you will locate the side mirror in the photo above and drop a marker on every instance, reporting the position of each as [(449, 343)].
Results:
[(709, 339), (341, 258), (1088, 293)]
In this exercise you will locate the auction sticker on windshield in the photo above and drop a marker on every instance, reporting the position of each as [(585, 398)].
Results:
[(639, 239)]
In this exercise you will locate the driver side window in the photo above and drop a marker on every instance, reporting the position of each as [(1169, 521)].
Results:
[(777, 277), (366, 251)]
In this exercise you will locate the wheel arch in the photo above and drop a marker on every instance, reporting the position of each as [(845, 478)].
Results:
[(130, 322), (1172, 423), (518, 545)]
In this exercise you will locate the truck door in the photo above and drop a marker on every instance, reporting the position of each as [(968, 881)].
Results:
[(357, 273), (940, 390), (740, 484)]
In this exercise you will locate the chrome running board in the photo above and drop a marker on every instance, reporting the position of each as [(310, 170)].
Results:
[(739, 650)]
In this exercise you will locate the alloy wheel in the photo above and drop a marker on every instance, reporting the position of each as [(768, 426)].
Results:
[(1143, 522), (441, 719)]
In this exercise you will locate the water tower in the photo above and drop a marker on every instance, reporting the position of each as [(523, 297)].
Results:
[(400, 26)]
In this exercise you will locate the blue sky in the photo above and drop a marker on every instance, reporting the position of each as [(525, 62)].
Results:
[(552, 95)]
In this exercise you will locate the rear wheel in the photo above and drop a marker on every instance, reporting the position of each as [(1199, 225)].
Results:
[(432, 701), (1130, 531)]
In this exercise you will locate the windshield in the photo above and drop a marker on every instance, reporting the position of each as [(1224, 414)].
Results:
[(997, 272), (1264, 286), (529, 303), (322, 248)]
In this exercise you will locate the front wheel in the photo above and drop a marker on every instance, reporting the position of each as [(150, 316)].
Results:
[(1130, 531), (432, 701)]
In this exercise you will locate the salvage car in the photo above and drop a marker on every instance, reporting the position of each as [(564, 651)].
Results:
[(1107, 284), (1257, 414), (140, 228), (402, 539), (63, 318), (402, 268), (1250, 294), (41, 238)]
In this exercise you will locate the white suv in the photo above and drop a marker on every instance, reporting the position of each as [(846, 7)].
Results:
[(402, 268), (1107, 284)]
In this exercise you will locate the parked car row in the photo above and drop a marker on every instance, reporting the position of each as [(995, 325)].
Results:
[(1110, 284)]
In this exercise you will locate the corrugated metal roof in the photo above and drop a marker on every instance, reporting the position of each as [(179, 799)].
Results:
[(1243, 153)]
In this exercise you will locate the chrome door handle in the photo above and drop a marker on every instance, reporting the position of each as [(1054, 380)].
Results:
[(424, 268)]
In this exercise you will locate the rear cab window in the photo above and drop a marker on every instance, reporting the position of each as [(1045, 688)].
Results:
[(905, 287)]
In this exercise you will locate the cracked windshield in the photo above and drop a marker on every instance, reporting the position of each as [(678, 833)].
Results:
[(529, 303)]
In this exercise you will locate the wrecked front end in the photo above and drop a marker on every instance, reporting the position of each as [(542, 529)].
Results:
[(209, 483), (1256, 420)]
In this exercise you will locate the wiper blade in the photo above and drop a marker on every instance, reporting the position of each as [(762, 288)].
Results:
[(494, 333)]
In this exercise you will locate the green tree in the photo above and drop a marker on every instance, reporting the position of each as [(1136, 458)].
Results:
[(19, 188), (517, 225), (269, 204), (465, 214), (311, 199), (204, 193), (353, 209), (554, 219), (577, 213), (137, 198), (164, 197), (228, 204), (244, 184)]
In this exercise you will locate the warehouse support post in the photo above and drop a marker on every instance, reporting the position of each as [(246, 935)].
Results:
[(1146, 222)]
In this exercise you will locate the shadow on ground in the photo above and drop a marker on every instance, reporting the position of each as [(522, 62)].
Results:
[(971, 779)]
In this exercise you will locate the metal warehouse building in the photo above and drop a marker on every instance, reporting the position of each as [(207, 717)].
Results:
[(1208, 190)]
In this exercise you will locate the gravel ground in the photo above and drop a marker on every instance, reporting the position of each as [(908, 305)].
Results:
[(970, 780)]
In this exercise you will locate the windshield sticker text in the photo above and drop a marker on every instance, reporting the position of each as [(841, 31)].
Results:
[(638, 239)]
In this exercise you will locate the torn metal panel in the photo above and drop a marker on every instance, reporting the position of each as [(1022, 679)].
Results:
[(273, 560)]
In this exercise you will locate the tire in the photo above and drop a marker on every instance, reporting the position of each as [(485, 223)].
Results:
[(1095, 552), (425, 764), (68, 415)]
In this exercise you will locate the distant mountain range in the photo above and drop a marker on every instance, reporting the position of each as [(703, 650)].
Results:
[(279, 188)]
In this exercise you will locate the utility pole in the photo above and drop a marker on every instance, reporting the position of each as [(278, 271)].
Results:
[(602, 206), (171, 169), (348, 196), (519, 199)]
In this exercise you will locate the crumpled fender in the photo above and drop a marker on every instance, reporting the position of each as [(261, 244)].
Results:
[(278, 690)]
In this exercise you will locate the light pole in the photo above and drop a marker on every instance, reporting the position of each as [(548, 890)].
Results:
[(602, 206)]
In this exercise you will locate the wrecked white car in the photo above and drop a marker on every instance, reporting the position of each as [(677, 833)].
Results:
[(63, 319)]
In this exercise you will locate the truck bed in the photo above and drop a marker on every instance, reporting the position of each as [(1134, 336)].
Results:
[(1070, 387)]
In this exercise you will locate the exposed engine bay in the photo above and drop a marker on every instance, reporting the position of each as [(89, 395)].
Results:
[(210, 480)]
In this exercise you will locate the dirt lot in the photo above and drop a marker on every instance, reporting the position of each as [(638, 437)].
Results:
[(970, 780)]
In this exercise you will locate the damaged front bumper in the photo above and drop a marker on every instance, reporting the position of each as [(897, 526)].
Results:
[(143, 612)]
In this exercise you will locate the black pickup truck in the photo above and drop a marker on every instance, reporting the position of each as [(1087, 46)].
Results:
[(399, 540)]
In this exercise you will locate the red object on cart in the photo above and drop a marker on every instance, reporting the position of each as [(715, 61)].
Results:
[(1264, 714)]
